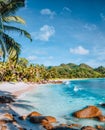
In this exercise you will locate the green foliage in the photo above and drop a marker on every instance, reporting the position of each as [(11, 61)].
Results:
[(10, 48), (23, 62), (23, 71), (71, 70), (13, 19), (101, 70)]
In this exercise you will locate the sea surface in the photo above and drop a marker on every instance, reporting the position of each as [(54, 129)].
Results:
[(61, 100)]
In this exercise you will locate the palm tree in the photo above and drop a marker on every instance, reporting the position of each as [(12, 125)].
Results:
[(7, 10)]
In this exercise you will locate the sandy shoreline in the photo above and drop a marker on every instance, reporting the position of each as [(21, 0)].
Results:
[(27, 89), (19, 88), (16, 89)]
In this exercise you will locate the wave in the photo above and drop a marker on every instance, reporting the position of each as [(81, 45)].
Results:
[(66, 82), (76, 88)]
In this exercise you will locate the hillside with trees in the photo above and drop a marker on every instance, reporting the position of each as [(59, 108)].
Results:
[(78, 71), (23, 71)]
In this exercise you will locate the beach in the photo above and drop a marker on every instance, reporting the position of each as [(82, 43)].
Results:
[(17, 104), (14, 90), (17, 88)]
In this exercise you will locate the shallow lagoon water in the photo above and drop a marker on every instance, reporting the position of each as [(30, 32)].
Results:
[(61, 100)]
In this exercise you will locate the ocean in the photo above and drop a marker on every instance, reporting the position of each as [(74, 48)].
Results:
[(62, 100)]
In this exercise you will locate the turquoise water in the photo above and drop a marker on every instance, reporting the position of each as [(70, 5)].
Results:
[(61, 100)]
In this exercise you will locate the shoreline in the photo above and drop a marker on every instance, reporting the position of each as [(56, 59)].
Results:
[(25, 90), (74, 79), (18, 89), (9, 115)]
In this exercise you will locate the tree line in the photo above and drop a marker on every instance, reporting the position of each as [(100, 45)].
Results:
[(23, 71)]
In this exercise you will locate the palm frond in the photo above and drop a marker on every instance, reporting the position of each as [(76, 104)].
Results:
[(3, 50), (3, 46), (12, 46), (21, 31), (2, 0), (11, 6), (13, 19)]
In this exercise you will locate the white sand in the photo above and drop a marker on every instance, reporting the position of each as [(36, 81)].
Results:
[(10, 88), (13, 87), (17, 88)]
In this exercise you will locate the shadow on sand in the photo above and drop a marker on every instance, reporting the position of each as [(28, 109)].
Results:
[(16, 123)]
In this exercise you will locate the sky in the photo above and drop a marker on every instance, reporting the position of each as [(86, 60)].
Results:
[(64, 31)]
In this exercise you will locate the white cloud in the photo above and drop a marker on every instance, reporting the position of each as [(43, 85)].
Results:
[(48, 12), (102, 16), (90, 27), (67, 9), (32, 58), (79, 50), (44, 33)]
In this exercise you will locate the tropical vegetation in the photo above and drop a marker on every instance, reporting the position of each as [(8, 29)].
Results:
[(23, 71), (10, 49)]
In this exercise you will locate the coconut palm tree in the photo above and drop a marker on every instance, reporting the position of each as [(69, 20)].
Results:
[(7, 10)]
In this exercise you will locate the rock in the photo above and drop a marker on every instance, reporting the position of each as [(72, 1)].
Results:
[(14, 122), (46, 125), (101, 118), (44, 82), (56, 82), (51, 119), (40, 119), (34, 113), (5, 99), (74, 125), (2, 122), (89, 112), (99, 127), (102, 104), (4, 128), (37, 119), (44, 121), (14, 114), (22, 117), (20, 128), (88, 128), (66, 127), (70, 126), (9, 116), (63, 125), (62, 128)]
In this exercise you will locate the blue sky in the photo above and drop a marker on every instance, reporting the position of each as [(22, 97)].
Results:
[(64, 31)]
